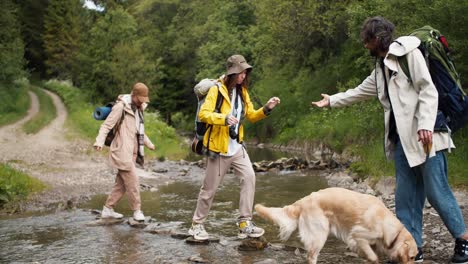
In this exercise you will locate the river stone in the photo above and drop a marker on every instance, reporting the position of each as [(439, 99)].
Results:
[(180, 235), (211, 239), (266, 261), (106, 221), (193, 241), (198, 259), (253, 244), (133, 223)]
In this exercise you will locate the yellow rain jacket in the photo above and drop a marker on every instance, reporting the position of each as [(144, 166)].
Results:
[(218, 134)]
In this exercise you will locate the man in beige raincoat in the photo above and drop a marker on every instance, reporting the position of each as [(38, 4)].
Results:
[(126, 149)]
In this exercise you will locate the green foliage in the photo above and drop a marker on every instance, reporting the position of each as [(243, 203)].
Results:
[(31, 16), (15, 101), (112, 58), (16, 185), (47, 112), (61, 36), (167, 143), (299, 49), (11, 44)]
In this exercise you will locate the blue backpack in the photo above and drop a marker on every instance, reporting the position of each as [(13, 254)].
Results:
[(452, 111)]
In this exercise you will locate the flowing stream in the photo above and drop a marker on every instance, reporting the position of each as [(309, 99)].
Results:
[(66, 237)]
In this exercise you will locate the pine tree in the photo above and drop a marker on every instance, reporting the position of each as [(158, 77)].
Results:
[(11, 43), (61, 36)]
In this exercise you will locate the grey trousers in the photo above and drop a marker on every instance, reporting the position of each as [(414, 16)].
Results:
[(215, 170)]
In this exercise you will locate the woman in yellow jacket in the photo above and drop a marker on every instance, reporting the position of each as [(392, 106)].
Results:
[(224, 144)]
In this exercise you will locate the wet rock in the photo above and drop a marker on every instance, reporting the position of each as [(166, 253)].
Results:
[(253, 244), (211, 239), (180, 235), (385, 186), (145, 187), (106, 222), (266, 261), (137, 224), (168, 228), (183, 172), (198, 259), (96, 212), (193, 241), (160, 170)]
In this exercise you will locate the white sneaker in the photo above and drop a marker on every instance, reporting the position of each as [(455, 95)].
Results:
[(109, 213), (138, 215), (198, 232), (247, 228)]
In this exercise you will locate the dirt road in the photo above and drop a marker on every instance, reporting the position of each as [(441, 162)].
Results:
[(70, 168)]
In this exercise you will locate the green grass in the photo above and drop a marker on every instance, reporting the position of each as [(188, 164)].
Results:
[(16, 185), (168, 144), (47, 112), (15, 102)]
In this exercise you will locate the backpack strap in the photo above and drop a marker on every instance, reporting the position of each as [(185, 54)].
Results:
[(403, 61), (219, 102)]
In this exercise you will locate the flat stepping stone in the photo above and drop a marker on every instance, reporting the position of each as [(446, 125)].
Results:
[(253, 244), (133, 223), (106, 222), (180, 235), (193, 241)]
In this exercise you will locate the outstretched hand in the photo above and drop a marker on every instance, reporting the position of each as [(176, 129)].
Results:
[(324, 102), (98, 148), (273, 102)]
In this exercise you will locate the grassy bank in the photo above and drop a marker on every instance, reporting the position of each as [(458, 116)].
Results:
[(168, 144), (16, 185), (46, 114), (15, 101)]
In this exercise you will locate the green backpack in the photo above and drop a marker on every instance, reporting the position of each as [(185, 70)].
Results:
[(452, 111)]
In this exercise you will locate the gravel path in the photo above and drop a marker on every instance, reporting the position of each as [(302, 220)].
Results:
[(70, 169)]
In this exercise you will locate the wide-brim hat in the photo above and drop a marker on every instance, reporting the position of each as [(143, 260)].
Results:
[(140, 90), (236, 64)]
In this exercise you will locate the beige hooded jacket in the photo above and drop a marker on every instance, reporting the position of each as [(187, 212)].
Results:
[(414, 103), (124, 147)]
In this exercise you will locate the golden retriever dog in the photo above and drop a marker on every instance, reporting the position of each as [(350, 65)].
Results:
[(361, 221)]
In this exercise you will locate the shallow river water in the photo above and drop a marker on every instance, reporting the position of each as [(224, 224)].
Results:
[(66, 237)]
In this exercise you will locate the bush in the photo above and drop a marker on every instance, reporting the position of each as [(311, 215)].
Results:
[(16, 185)]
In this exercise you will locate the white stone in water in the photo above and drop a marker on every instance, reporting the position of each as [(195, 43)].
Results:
[(106, 221)]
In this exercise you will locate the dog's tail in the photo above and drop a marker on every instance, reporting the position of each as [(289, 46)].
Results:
[(286, 218)]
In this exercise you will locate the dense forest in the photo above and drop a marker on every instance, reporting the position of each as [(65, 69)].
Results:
[(299, 49)]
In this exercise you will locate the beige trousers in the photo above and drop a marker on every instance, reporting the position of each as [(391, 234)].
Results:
[(125, 182), (215, 171)]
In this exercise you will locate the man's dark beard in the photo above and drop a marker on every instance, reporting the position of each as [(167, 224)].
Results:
[(374, 53)]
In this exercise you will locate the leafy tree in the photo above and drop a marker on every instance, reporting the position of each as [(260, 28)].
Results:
[(112, 58), (32, 27), (61, 36), (11, 44)]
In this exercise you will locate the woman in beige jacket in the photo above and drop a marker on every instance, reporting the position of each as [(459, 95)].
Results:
[(126, 149)]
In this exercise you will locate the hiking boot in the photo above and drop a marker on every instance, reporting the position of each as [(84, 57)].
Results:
[(419, 257), (138, 216), (109, 213), (247, 228), (198, 232), (461, 252)]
